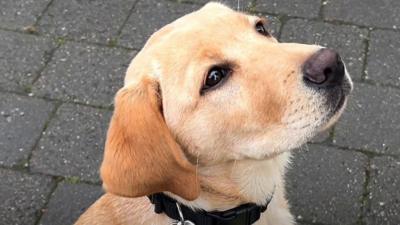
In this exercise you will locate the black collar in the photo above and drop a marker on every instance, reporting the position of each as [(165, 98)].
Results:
[(245, 214)]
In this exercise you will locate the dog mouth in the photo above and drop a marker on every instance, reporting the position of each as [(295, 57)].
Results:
[(340, 102), (343, 92), (336, 100)]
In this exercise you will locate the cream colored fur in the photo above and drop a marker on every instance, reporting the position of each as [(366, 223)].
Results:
[(232, 143)]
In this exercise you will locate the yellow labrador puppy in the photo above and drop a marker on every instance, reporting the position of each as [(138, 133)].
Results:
[(202, 129)]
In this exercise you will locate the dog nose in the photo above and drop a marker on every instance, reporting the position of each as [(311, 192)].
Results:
[(324, 69)]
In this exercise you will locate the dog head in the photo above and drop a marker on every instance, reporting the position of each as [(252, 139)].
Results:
[(211, 87)]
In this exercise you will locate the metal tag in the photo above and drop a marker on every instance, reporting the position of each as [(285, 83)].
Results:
[(186, 222), (182, 221)]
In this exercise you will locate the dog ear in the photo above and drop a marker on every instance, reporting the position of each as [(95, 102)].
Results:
[(141, 155)]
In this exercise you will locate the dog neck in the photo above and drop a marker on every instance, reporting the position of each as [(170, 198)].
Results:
[(227, 185)]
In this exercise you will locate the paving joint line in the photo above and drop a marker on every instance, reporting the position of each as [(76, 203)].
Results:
[(332, 134), (130, 12), (376, 84), (250, 8), (78, 180), (279, 16), (40, 16), (41, 211), (368, 153), (305, 221), (366, 41), (365, 201), (314, 19), (188, 2), (20, 31), (67, 179), (283, 20), (329, 21), (108, 45), (24, 94), (321, 9), (48, 56), (52, 115), (69, 39)]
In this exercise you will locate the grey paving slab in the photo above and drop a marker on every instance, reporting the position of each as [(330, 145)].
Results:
[(371, 120), (383, 57), (22, 120), (148, 16), (22, 196), (84, 73), (383, 13), (95, 20), (385, 194), (17, 14), (68, 202), (347, 40), (21, 57), (72, 145), (302, 8), (325, 185)]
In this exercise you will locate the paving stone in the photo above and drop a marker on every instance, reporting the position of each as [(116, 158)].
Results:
[(383, 13), (95, 20), (385, 194), (383, 57), (303, 8), (84, 73), (325, 185), (21, 196), (347, 40), (72, 145), (17, 14), (21, 121), (371, 120), (148, 16), (68, 202), (21, 57)]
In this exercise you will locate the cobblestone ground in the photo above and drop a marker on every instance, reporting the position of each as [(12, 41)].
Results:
[(62, 61)]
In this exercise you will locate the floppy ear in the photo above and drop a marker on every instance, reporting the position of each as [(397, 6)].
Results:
[(141, 156)]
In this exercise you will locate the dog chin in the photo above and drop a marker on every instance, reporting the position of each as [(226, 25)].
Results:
[(336, 113)]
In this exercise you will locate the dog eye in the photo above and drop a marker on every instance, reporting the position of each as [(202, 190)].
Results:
[(215, 76), (261, 29)]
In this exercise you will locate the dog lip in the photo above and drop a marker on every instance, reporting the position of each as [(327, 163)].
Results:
[(346, 87), (343, 92), (341, 102)]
